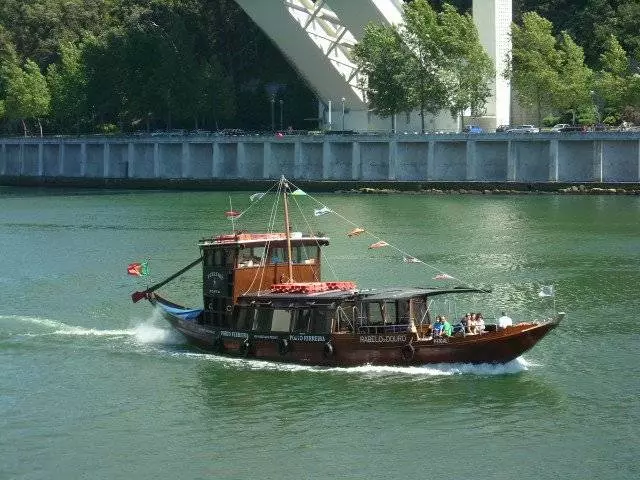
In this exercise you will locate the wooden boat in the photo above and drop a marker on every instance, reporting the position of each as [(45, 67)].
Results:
[(264, 299)]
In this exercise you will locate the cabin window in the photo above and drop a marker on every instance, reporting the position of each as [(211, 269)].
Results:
[(404, 314), (420, 311), (208, 258), (229, 257), (374, 311), (390, 312), (249, 257), (320, 321), (246, 316), (217, 257), (277, 255), (346, 315), (262, 322), (301, 320), (281, 321), (305, 254)]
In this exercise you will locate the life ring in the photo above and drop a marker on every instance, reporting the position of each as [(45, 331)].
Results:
[(245, 348), (218, 344), (228, 308), (327, 350), (283, 346), (407, 352)]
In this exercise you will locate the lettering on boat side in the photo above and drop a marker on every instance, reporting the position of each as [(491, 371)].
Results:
[(226, 333), (441, 340), (216, 275), (265, 337), (307, 338), (382, 338)]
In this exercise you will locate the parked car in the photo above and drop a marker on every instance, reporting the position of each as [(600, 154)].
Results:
[(558, 126), (502, 128), (573, 128), (472, 129), (524, 129)]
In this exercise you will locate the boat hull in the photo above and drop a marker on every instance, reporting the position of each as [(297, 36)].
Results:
[(351, 349)]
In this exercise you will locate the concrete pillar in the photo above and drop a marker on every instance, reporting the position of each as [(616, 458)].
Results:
[(266, 158), (61, 154), (156, 160), (326, 160), (21, 159), (186, 160), (356, 162), (83, 159), (553, 160), (131, 170), (598, 157), (106, 150), (393, 159), (216, 160), (471, 160), (431, 160), (41, 160), (3, 158), (512, 161), (298, 163), (638, 161)]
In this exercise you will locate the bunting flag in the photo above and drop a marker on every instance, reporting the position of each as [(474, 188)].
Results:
[(256, 196), (355, 232), (443, 276), (138, 269), (321, 211), (231, 214), (546, 291), (297, 191), (410, 260), (379, 244)]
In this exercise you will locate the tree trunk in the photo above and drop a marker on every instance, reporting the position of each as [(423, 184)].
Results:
[(40, 126), (24, 127)]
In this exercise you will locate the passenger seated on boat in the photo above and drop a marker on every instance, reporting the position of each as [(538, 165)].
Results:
[(438, 327), (504, 321), (479, 323), (447, 329), (472, 325)]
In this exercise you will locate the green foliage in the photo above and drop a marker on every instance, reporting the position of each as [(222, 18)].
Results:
[(432, 62), (550, 120), (27, 94)]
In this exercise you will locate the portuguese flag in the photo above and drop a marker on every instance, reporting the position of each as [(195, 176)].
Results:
[(138, 269)]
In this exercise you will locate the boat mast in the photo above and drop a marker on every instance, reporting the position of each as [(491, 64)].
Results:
[(286, 229)]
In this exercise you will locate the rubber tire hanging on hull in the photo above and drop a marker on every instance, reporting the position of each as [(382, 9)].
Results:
[(245, 348), (408, 351), (327, 350), (283, 346)]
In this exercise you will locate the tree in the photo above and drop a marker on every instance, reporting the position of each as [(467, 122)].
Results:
[(611, 82), (68, 86), (573, 90), (469, 63), (27, 94), (431, 62), (383, 59), (533, 66)]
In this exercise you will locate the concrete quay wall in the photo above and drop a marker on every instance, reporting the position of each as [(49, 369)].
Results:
[(493, 158)]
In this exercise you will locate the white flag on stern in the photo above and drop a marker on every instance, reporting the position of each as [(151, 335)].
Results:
[(546, 291)]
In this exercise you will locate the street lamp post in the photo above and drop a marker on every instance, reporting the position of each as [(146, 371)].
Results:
[(273, 113), (281, 115), (343, 99)]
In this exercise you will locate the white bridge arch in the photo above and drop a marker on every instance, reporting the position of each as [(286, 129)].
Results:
[(317, 37)]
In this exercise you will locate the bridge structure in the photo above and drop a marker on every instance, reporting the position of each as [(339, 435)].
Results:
[(317, 36)]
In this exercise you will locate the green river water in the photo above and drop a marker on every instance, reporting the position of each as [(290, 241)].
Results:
[(94, 386)]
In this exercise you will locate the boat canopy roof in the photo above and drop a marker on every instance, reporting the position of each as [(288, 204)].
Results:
[(371, 295), (259, 239)]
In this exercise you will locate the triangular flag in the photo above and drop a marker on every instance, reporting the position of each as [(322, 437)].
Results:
[(355, 232), (231, 214), (321, 211), (379, 244), (297, 191), (410, 260), (443, 276), (546, 291), (256, 196)]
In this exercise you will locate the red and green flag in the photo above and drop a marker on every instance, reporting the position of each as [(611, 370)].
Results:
[(138, 269)]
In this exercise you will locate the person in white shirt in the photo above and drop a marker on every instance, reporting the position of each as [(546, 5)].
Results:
[(504, 321)]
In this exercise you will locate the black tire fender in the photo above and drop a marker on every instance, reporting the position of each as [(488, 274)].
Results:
[(327, 350), (284, 346), (408, 351), (245, 348)]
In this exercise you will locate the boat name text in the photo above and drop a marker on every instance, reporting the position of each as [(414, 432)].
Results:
[(382, 338)]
